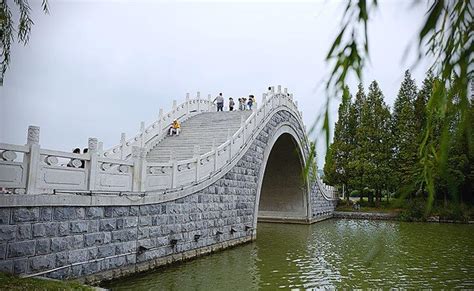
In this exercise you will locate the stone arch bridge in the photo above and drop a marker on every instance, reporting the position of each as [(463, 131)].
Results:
[(154, 199)]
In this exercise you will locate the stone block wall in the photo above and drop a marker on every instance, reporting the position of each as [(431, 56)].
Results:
[(105, 242)]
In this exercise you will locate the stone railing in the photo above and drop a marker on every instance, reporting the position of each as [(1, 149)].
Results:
[(329, 192), (151, 135), (33, 170), (124, 168)]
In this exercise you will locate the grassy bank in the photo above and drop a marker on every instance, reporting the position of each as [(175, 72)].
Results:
[(12, 282), (412, 210)]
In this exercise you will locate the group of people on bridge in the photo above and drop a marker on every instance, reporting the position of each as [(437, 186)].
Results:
[(244, 103)]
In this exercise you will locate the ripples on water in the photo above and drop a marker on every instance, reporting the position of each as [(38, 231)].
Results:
[(329, 254)]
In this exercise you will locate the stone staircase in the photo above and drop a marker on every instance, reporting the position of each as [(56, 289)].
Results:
[(200, 130)]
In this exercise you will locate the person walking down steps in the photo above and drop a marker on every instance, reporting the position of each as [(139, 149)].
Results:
[(220, 102), (231, 104)]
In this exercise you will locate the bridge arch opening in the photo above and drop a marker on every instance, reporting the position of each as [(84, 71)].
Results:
[(283, 194)]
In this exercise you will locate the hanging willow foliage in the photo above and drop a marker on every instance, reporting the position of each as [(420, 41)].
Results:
[(446, 36), (7, 29)]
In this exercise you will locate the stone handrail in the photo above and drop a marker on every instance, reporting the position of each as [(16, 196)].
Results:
[(151, 135), (124, 168), (33, 170), (329, 192)]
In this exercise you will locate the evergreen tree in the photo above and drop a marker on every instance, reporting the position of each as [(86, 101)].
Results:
[(374, 138), (337, 159), (405, 134), (354, 166)]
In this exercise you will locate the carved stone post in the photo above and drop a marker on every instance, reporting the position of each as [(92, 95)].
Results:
[(209, 102), (100, 150), (264, 102), (174, 174), (142, 135), (33, 158), (174, 169), (160, 120), (139, 168), (216, 154), (93, 147), (199, 101), (122, 145), (175, 104), (279, 89), (187, 103), (198, 164), (229, 139), (285, 91), (242, 125)]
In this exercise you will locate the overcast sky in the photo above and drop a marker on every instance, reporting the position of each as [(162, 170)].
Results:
[(98, 68)]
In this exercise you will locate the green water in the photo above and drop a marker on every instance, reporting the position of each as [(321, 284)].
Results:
[(329, 254)]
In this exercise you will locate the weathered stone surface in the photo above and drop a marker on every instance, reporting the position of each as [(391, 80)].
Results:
[(94, 212), (23, 231), (105, 251), (79, 226), (117, 211), (108, 224), (21, 249), (46, 214), (43, 246), (25, 214), (20, 266), (47, 229), (94, 239), (124, 235), (41, 263), (3, 251), (5, 215), (63, 229), (127, 222), (7, 232), (77, 256), (67, 213), (6, 266)]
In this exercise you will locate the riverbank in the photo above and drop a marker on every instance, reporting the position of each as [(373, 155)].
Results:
[(391, 216), (12, 282), (366, 215)]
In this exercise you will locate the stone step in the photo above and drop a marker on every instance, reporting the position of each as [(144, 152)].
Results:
[(201, 130)]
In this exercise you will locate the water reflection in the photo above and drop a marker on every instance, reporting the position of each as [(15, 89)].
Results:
[(329, 254)]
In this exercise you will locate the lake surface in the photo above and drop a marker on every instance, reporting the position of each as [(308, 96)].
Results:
[(328, 254)]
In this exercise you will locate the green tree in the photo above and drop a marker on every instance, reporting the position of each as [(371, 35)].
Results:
[(355, 168), (374, 139), (405, 135), (339, 154)]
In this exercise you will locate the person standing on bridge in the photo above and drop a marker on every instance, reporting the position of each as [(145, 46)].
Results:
[(231, 104), (220, 102), (250, 102)]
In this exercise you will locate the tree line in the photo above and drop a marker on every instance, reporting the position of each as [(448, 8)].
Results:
[(376, 150)]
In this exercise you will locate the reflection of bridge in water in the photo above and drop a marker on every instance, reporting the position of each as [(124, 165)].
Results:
[(154, 199)]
